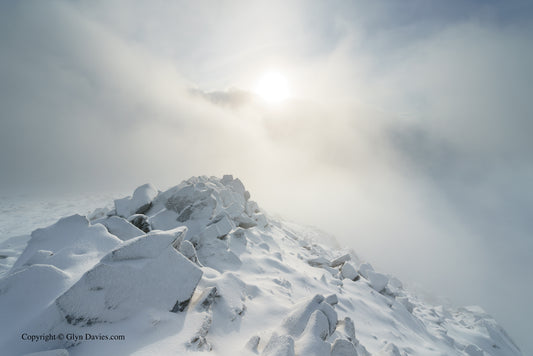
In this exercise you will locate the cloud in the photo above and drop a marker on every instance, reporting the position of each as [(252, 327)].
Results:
[(408, 136), (233, 98)]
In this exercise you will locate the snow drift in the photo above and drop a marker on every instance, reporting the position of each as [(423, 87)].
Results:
[(201, 268)]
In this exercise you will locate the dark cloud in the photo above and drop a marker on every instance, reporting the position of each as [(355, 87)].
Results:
[(233, 98)]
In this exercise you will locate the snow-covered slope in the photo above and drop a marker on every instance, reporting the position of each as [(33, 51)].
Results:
[(201, 268)]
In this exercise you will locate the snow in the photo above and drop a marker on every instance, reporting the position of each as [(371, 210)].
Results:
[(378, 281), (71, 244), (139, 203), (312, 342), (119, 227), (201, 268), (348, 271), (343, 348), (339, 261), (279, 346), (296, 321), (146, 272), (56, 352)]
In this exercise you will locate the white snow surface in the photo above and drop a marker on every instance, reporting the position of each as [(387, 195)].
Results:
[(205, 270)]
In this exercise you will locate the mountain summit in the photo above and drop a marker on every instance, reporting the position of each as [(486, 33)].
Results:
[(201, 268)]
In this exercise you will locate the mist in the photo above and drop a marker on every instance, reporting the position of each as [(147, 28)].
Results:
[(407, 135)]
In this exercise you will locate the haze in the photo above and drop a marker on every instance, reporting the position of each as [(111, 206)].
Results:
[(407, 133)]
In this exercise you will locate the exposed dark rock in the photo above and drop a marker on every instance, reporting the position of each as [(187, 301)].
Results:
[(140, 221), (207, 299), (180, 306), (144, 208), (199, 341)]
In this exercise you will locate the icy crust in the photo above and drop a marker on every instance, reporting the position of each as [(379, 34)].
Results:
[(200, 268)]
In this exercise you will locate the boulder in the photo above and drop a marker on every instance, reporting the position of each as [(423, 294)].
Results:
[(364, 268), (296, 321), (331, 315), (378, 281), (347, 329), (312, 342), (219, 227), (340, 260), (245, 222), (260, 219), (139, 203), (251, 208), (146, 272), (318, 262), (66, 244), (343, 347), (279, 346), (120, 227), (187, 249), (332, 299), (348, 271)]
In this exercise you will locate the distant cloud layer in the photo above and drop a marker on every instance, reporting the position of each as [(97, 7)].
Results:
[(408, 134)]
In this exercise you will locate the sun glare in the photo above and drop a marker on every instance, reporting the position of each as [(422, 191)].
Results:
[(272, 87)]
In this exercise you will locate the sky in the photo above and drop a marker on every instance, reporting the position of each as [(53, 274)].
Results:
[(406, 135)]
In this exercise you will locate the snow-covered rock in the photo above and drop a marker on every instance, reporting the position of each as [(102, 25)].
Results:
[(187, 249), (332, 299), (296, 321), (71, 245), (330, 314), (377, 280), (139, 203), (312, 341), (346, 329), (219, 227), (343, 347), (348, 271), (340, 260), (120, 227), (28, 291), (364, 268), (318, 262), (279, 346), (146, 272)]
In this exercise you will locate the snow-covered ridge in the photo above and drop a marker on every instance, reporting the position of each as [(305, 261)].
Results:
[(201, 268)]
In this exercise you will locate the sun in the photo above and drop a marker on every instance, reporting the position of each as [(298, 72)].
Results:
[(272, 87)]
